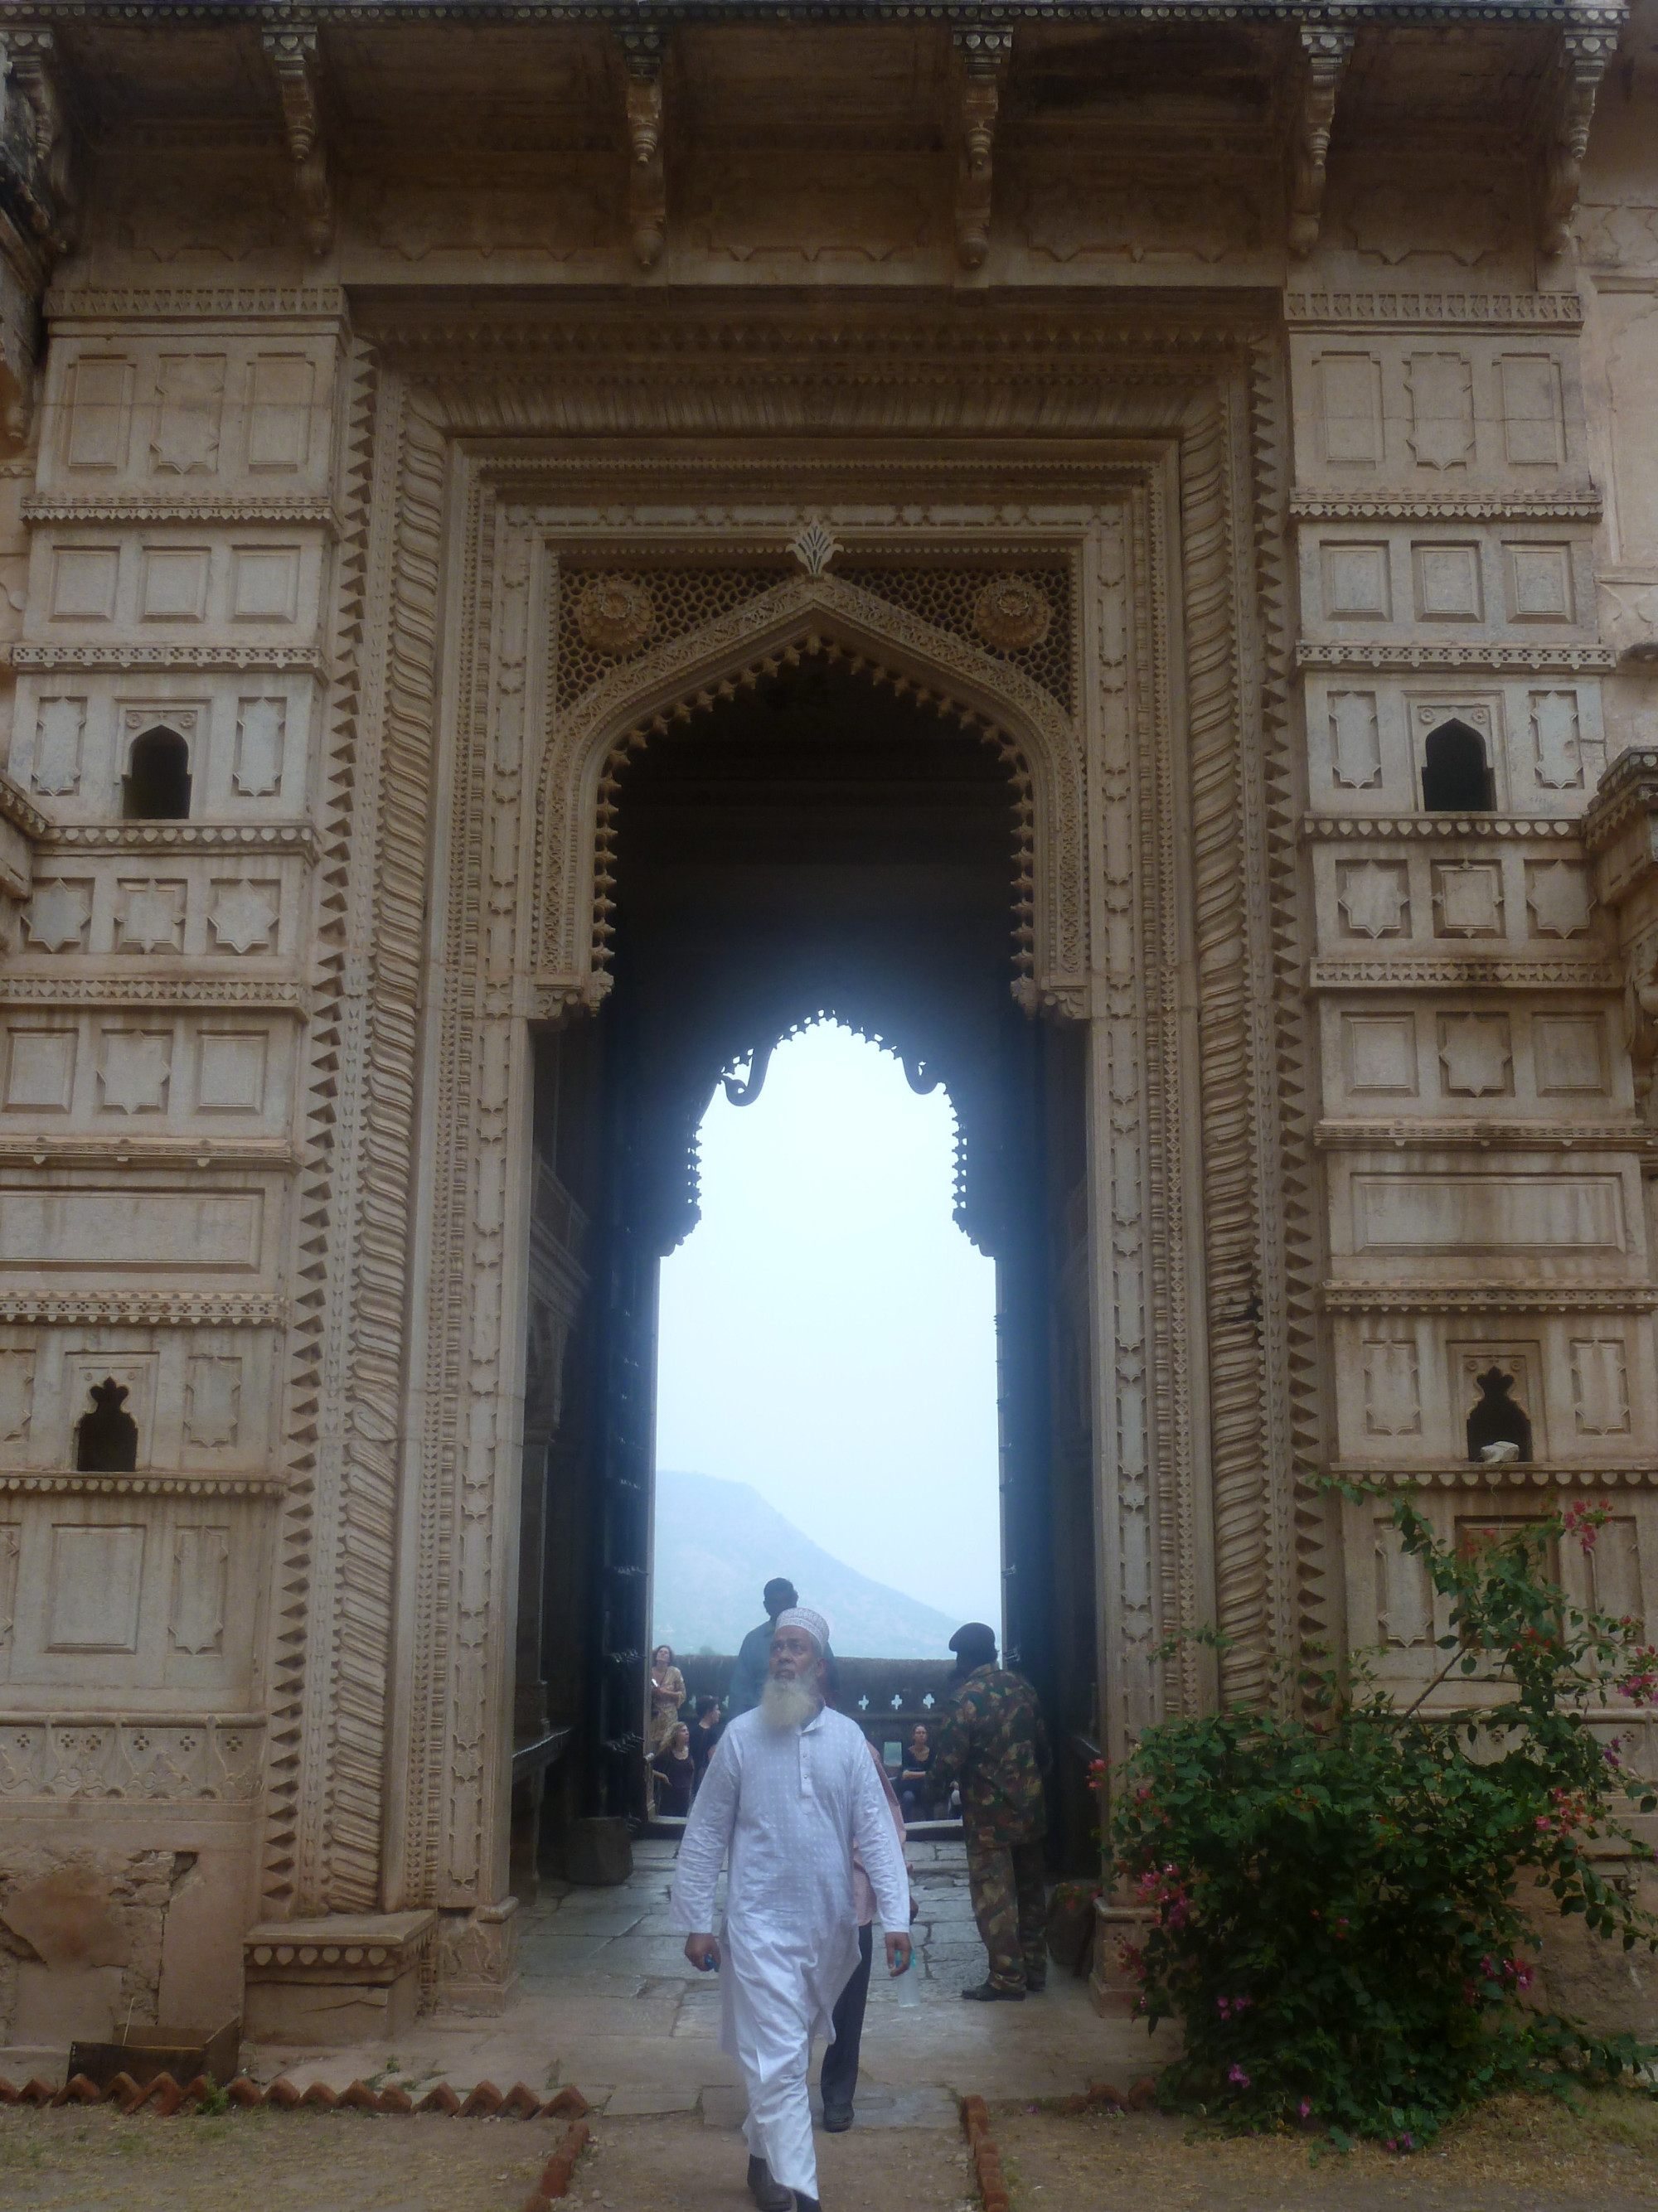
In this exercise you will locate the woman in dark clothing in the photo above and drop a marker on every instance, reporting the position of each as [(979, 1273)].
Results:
[(675, 1771), (914, 1781), (707, 1732)]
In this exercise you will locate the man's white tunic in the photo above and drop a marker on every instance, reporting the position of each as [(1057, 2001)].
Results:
[(787, 1804)]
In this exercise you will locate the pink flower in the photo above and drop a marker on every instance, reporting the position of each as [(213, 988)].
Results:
[(1238, 2075), (1306, 2108)]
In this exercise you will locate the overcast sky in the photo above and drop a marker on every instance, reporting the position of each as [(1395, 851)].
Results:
[(828, 1332)]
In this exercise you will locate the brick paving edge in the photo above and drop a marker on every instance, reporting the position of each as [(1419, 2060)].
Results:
[(165, 2096)]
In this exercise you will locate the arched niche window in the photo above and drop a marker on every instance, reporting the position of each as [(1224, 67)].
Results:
[(156, 785), (1456, 776), (1495, 1418), (106, 1438)]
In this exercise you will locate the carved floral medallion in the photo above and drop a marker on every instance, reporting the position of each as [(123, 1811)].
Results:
[(1012, 614), (615, 615)]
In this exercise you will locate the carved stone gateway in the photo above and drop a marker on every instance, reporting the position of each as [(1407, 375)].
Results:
[(1146, 405)]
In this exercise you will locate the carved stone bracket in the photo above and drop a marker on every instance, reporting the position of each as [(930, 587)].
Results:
[(36, 201), (1583, 61), (34, 146), (647, 175), (294, 57), (1322, 56), (983, 56)]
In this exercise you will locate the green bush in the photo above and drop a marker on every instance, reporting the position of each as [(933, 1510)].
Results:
[(1336, 1892)]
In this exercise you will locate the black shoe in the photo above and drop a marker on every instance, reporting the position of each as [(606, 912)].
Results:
[(1035, 1989), (805, 2204), (988, 1993), (836, 2119), (771, 2195)]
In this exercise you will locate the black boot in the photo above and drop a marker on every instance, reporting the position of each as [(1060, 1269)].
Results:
[(805, 2204), (771, 2195)]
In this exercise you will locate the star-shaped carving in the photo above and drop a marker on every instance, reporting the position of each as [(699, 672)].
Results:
[(150, 916), (1475, 1054), (57, 915), (244, 917), (1373, 898), (135, 1071), (1559, 897)]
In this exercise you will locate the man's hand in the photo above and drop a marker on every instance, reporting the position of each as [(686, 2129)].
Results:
[(898, 1952), (704, 1952)]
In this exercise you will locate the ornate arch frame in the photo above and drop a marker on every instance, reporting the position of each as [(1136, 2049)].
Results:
[(809, 613), (1145, 444)]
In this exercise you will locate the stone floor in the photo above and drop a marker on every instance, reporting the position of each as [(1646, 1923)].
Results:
[(608, 2001)]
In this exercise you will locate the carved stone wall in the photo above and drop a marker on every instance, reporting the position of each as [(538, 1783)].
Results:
[(1159, 401)]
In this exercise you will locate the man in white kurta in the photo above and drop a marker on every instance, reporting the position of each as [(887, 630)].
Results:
[(788, 1789)]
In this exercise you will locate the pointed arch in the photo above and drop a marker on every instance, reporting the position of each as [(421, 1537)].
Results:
[(804, 617)]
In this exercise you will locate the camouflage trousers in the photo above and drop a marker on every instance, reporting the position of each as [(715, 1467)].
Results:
[(1006, 1881)]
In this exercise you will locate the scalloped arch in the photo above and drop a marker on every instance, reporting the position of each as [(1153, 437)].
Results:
[(805, 616)]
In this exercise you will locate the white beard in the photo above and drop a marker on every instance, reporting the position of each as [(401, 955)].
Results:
[(788, 1704)]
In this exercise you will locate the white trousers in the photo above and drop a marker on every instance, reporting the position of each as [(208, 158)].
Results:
[(771, 2028)]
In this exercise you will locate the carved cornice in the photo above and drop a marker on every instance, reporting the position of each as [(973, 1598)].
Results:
[(1440, 829), (215, 303), (73, 987), (721, 329), (1444, 506), (467, 12), (1429, 655), (1488, 1297), (140, 837), (1513, 1474), (292, 513), (1528, 1136), (147, 1309), (1451, 972), (67, 1483), (1412, 310), (43, 659)]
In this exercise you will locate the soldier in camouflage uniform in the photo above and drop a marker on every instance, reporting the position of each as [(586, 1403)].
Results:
[(993, 1742)]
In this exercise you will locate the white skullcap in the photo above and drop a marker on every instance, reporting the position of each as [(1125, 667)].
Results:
[(802, 1616)]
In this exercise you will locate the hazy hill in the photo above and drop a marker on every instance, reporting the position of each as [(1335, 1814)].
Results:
[(719, 1543)]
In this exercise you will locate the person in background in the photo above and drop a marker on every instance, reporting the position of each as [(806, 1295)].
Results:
[(754, 1656), (838, 2077), (914, 1781), (705, 1734), (667, 1696), (675, 1771), (789, 1792), (992, 1741)]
